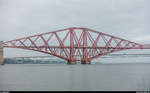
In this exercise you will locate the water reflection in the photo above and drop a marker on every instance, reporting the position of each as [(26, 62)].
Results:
[(63, 77)]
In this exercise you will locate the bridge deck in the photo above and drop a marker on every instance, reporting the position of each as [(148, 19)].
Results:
[(76, 47)]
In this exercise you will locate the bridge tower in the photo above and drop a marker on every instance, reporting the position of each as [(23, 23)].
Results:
[(72, 50), (85, 49), (1, 53)]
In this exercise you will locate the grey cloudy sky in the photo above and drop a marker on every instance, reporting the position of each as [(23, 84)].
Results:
[(128, 19)]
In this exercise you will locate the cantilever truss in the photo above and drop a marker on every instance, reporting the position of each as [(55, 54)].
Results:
[(73, 44)]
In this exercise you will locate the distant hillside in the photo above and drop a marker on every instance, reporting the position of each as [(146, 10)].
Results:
[(31, 61)]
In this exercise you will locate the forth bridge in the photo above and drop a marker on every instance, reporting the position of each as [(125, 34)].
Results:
[(73, 44)]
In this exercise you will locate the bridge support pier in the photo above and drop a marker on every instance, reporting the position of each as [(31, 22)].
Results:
[(85, 62), (82, 62), (1, 53), (71, 62)]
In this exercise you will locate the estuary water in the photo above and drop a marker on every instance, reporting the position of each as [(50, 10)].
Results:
[(63, 77)]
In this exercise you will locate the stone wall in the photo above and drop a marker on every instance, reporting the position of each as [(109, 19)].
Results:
[(1, 53)]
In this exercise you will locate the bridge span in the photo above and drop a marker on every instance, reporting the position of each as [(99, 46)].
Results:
[(73, 44)]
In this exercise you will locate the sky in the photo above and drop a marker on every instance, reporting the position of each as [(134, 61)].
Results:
[(128, 19)]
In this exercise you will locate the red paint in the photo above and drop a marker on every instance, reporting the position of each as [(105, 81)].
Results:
[(81, 47)]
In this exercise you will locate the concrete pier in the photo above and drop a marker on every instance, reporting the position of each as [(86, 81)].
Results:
[(1, 53), (71, 62), (82, 62), (85, 62)]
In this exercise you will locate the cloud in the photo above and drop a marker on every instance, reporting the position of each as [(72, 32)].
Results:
[(128, 19), (144, 39)]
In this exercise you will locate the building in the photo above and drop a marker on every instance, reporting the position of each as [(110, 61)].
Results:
[(1, 53)]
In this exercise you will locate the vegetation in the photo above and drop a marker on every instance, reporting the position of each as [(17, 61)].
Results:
[(31, 61)]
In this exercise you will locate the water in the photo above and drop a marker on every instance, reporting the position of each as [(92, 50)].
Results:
[(63, 77)]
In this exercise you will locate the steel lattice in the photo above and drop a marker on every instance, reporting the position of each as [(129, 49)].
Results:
[(73, 44)]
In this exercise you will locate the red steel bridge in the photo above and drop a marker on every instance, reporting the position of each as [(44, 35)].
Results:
[(74, 44)]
